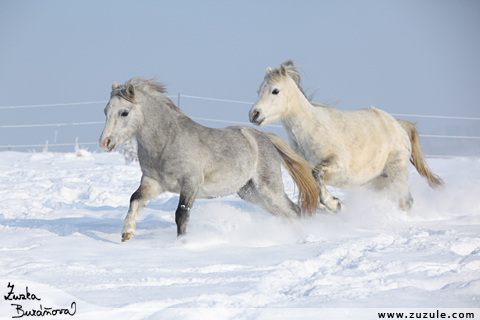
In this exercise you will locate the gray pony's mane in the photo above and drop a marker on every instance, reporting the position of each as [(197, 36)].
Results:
[(149, 86), (293, 72)]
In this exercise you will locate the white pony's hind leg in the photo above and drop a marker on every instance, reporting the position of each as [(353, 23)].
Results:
[(399, 171), (394, 179), (406, 202)]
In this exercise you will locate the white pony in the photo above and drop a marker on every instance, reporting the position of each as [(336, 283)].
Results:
[(347, 148)]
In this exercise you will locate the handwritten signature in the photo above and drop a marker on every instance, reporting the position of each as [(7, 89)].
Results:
[(41, 311)]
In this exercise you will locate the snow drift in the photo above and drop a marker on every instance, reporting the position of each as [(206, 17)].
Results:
[(61, 217)]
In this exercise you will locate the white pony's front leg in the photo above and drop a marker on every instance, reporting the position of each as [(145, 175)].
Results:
[(148, 189), (326, 202)]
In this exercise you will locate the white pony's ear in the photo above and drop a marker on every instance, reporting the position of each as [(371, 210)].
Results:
[(283, 71), (131, 89), (269, 70), (114, 85)]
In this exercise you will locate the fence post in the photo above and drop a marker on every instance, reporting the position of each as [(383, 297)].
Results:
[(55, 142)]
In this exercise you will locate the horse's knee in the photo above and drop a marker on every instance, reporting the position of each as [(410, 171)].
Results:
[(136, 196)]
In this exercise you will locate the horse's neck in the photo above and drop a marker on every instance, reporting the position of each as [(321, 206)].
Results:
[(159, 127), (304, 121), (302, 115)]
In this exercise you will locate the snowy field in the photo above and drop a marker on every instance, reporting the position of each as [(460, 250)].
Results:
[(61, 216)]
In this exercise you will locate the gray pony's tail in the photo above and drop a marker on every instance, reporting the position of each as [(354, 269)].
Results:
[(417, 159), (301, 172)]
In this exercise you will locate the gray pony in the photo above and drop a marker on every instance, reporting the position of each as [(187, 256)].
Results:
[(179, 155)]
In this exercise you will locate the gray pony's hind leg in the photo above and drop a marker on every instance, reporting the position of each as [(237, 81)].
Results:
[(265, 189), (148, 189), (277, 203)]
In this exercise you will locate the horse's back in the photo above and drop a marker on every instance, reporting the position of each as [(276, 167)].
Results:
[(356, 130)]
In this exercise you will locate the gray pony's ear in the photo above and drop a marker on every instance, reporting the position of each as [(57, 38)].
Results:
[(114, 85), (131, 90), (283, 71), (269, 70)]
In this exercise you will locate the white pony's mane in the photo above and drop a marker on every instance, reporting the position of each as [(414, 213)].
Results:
[(146, 86), (293, 72)]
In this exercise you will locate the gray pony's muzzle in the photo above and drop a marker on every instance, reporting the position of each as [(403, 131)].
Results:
[(107, 144)]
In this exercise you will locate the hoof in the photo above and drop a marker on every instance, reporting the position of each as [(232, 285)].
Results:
[(182, 239), (126, 236), (334, 208), (341, 207)]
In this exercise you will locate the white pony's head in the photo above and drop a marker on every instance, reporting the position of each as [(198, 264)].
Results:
[(124, 116), (279, 87)]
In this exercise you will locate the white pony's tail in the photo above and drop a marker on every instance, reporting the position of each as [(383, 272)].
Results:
[(417, 159), (301, 172)]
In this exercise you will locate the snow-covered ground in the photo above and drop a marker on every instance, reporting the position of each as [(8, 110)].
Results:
[(61, 217)]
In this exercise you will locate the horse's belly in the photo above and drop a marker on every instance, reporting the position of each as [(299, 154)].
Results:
[(212, 187), (341, 182), (351, 179), (347, 182), (222, 185)]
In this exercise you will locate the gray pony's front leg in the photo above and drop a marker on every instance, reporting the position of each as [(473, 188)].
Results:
[(182, 214), (148, 189), (326, 202)]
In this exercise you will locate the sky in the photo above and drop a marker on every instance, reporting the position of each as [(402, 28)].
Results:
[(405, 57)]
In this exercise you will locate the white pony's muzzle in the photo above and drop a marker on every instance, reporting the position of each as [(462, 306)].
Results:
[(255, 117)]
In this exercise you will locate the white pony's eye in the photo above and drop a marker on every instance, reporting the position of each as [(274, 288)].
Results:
[(124, 113), (275, 91)]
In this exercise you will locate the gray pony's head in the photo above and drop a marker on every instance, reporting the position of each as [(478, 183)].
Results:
[(133, 106), (124, 115)]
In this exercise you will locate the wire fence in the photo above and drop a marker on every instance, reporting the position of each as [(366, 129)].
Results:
[(195, 118)]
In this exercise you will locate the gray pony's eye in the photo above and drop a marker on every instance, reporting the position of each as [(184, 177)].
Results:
[(275, 91), (124, 113)]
